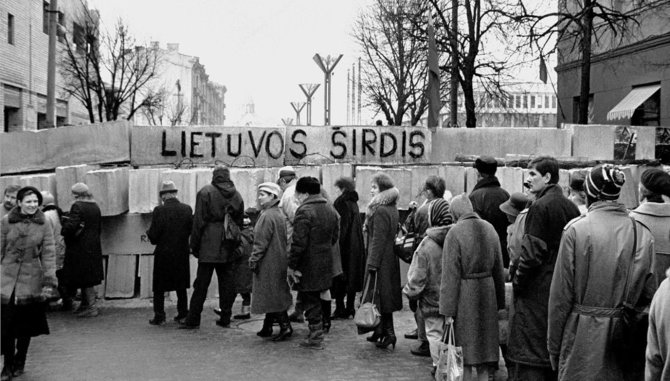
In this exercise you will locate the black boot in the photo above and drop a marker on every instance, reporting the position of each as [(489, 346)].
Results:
[(388, 332), (285, 330), (22, 344), (6, 372), (325, 315), (266, 331), (340, 311), (377, 335)]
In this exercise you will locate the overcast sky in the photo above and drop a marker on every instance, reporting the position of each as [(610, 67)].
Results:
[(259, 49)]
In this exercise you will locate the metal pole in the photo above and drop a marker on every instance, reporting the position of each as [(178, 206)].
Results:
[(348, 96), (297, 106), (51, 65), (327, 68), (453, 98), (309, 89), (360, 91)]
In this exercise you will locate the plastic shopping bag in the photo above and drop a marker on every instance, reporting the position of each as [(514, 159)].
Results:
[(450, 363)]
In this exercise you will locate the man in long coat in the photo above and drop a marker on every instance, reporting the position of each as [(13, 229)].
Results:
[(315, 231), (547, 216), (486, 198), (596, 271), (170, 228), (212, 203)]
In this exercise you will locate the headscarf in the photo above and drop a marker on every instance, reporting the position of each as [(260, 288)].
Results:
[(438, 214), (460, 205)]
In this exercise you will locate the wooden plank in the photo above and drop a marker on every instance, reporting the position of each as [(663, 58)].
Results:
[(110, 189), (66, 177), (121, 272), (126, 234), (234, 146), (362, 145), (63, 146)]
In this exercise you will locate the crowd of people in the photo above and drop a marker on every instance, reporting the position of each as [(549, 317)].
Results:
[(590, 295)]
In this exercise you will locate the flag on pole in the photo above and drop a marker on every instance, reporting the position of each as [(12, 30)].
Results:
[(433, 90), (543, 70)]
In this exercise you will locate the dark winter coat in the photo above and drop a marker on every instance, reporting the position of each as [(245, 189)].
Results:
[(268, 259), (243, 274), (587, 287), (546, 218), (315, 231), (486, 198), (28, 257), (381, 228), (211, 205), (170, 228), (83, 252), (352, 249), (473, 287)]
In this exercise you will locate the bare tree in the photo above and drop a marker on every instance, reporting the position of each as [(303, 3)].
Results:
[(578, 25), (107, 71), (394, 63), (153, 108)]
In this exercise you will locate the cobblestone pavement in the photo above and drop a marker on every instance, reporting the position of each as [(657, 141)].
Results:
[(121, 345)]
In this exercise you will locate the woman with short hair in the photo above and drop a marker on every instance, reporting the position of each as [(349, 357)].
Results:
[(28, 274)]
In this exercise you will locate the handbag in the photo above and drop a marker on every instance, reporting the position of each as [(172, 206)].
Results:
[(232, 235), (450, 361), (405, 245), (367, 316), (629, 334)]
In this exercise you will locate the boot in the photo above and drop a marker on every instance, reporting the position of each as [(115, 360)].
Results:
[(285, 328), (340, 311), (90, 310), (422, 350), (388, 330), (244, 313), (266, 331), (22, 344), (6, 373), (315, 338), (377, 334), (325, 313)]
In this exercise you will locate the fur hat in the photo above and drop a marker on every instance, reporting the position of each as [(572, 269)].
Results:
[(22, 192), (656, 181), (486, 164), (80, 188), (604, 182), (270, 188), (309, 185)]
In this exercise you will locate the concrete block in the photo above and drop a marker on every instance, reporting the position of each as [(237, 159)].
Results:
[(143, 187), (645, 146), (43, 182), (121, 272), (109, 188), (246, 182), (6, 181), (629, 192), (126, 234), (185, 181), (100, 289), (331, 172), (311, 170), (511, 179), (564, 181), (470, 179), (455, 178), (593, 141), (146, 270), (66, 177), (203, 176), (402, 179)]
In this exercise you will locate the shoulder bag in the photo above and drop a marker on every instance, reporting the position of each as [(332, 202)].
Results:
[(367, 315)]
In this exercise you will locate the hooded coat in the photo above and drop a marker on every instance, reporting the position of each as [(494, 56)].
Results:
[(315, 231), (425, 272), (212, 203), (546, 218), (52, 213), (656, 217), (381, 227), (588, 286), (352, 249), (271, 292), (473, 287), (82, 267), (28, 257), (170, 228), (486, 198)]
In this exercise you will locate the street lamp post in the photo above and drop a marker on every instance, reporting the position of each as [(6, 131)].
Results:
[(327, 67), (309, 89), (297, 106)]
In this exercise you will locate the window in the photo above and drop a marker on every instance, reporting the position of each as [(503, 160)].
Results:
[(553, 101), (10, 28), (649, 112), (78, 37), (61, 24), (532, 101), (546, 101), (518, 101), (575, 109), (525, 101), (45, 17)]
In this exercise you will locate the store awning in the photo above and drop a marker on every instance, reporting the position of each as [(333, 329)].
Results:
[(627, 106)]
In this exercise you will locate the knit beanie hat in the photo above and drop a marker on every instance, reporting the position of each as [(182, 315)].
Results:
[(270, 188), (80, 188), (604, 182), (656, 181), (309, 185)]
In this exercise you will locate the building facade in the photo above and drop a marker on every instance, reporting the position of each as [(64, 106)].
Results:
[(188, 95), (630, 71), (524, 104), (24, 46)]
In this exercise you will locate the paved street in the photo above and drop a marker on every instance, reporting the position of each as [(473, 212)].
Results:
[(121, 345)]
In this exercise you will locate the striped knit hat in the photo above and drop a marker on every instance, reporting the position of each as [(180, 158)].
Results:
[(604, 182), (438, 214)]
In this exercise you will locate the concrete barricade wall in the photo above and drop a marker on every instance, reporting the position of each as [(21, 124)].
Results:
[(43, 182), (331, 172), (455, 178), (185, 181), (109, 188), (66, 177), (143, 187)]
